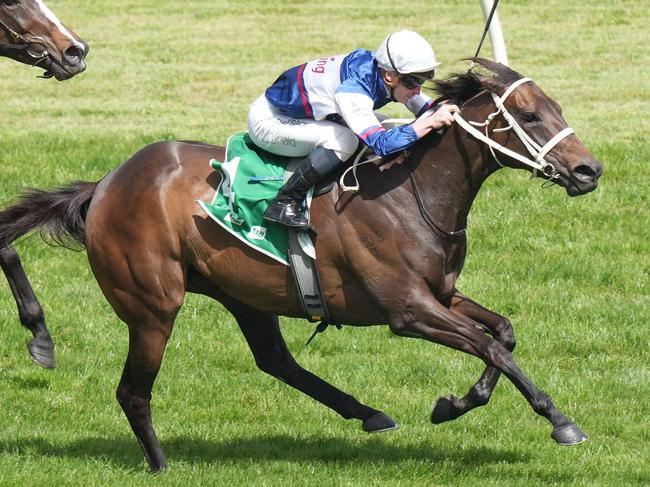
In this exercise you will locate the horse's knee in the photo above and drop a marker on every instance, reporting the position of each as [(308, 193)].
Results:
[(506, 334), (495, 354)]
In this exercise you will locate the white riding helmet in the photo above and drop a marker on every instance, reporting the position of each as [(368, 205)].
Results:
[(406, 52)]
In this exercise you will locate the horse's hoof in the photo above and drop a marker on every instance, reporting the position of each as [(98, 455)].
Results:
[(568, 435), (379, 423), (42, 352), (444, 410), (158, 469)]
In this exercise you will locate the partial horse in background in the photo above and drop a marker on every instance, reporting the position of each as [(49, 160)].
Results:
[(388, 254), (31, 34)]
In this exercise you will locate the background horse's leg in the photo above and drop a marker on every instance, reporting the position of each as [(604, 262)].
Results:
[(262, 332), (41, 347), (427, 318), (450, 407)]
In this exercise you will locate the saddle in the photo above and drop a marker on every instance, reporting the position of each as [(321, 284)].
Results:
[(250, 179)]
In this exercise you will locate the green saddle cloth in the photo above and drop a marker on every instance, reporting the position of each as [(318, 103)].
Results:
[(251, 178)]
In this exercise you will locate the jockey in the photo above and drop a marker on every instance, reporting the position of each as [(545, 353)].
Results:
[(321, 109)]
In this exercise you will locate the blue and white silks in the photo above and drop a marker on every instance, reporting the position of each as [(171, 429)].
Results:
[(351, 87)]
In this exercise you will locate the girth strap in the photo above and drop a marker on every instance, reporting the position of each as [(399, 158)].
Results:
[(304, 271)]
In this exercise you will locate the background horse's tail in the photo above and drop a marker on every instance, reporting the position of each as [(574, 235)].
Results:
[(60, 214)]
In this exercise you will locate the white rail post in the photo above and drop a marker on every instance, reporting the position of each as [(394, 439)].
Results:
[(496, 35)]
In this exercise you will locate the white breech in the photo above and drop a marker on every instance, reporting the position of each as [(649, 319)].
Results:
[(295, 137)]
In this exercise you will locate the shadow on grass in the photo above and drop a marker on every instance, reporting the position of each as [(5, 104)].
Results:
[(26, 382), (124, 453), (374, 453)]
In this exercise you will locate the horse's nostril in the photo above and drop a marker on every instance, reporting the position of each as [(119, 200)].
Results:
[(591, 170), (74, 54), (584, 171)]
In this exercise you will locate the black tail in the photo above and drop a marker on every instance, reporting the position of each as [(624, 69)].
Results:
[(60, 214)]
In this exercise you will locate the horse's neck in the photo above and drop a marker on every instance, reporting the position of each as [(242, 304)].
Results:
[(449, 176), (447, 172)]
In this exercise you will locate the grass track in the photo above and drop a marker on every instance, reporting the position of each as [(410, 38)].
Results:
[(572, 274)]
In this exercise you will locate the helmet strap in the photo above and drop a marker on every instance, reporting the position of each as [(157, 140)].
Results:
[(390, 58)]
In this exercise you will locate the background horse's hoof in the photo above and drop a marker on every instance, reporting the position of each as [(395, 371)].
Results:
[(42, 352), (444, 410), (568, 435), (378, 423)]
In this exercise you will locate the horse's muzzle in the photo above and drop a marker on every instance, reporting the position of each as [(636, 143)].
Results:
[(68, 71), (70, 63), (583, 178)]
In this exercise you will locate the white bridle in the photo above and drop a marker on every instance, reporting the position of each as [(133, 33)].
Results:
[(538, 163)]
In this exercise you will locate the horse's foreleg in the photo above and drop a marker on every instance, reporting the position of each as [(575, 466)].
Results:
[(451, 407), (262, 332), (426, 318), (40, 347)]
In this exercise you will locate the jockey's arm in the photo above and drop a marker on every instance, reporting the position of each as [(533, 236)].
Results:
[(443, 115), (358, 113), (418, 104)]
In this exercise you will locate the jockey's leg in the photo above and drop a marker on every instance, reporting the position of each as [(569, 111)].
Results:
[(324, 143), (285, 208)]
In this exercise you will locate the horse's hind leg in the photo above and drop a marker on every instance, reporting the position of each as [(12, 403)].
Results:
[(262, 332), (451, 407), (40, 347), (146, 349), (146, 289)]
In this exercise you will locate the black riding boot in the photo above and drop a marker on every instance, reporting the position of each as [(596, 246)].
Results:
[(285, 208)]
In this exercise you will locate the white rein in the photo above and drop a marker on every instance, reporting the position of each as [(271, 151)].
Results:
[(536, 151)]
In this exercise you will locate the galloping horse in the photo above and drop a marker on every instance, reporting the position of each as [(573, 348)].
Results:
[(388, 254), (31, 34)]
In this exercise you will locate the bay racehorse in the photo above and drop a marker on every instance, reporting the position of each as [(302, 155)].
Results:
[(388, 254), (31, 34)]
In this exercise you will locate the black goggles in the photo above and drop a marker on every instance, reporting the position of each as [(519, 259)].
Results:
[(411, 81)]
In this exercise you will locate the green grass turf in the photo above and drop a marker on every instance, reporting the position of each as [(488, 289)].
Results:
[(571, 274)]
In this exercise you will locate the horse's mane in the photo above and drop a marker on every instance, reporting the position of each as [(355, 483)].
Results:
[(461, 87)]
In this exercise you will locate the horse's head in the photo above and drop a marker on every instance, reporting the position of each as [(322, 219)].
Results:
[(525, 128), (30, 33)]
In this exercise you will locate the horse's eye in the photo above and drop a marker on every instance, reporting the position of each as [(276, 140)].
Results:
[(530, 118), (10, 2)]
